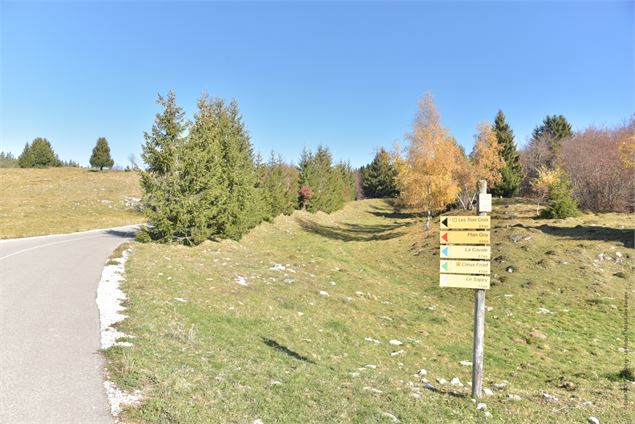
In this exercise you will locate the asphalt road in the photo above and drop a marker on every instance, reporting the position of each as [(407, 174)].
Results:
[(51, 370)]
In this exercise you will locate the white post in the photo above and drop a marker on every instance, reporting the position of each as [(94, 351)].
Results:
[(479, 323)]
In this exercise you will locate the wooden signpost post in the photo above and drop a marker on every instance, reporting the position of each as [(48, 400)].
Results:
[(465, 263)]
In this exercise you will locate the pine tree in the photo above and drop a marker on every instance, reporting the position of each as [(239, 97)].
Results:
[(511, 172), (38, 154), (561, 204), (379, 177), (101, 155), (554, 129)]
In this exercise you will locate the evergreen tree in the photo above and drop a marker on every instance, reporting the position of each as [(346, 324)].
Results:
[(160, 181), (379, 177), (554, 129), (38, 154), (280, 182), (561, 204), (511, 172), (101, 155)]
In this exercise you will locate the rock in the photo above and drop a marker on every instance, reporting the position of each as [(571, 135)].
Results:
[(465, 363), (442, 381), (490, 309), (277, 267), (424, 380), (371, 366), (500, 386), (527, 238), (487, 414), (323, 293), (359, 293), (354, 374), (258, 421), (422, 372), (619, 255), (456, 382), (549, 398), (429, 387), (514, 397), (370, 339), (543, 311), (373, 390), (480, 406), (538, 335), (395, 342), (509, 269), (391, 417), (242, 281), (488, 392), (276, 383), (180, 299), (515, 239), (399, 352), (290, 280), (333, 283), (593, 420)]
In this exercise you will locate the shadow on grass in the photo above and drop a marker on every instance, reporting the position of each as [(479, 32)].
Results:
[(280, 348), (447, 393), (580, 232), (395, 213), (353, 232)]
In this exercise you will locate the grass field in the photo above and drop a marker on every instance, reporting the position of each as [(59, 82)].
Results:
[(294, 323), (61, 200)]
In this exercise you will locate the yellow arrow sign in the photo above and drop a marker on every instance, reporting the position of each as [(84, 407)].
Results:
[(465, 222), (464, 267), (464, 237), (464, 281), (464, 252)]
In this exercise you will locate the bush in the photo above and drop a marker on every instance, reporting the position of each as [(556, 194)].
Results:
[(561, 202)]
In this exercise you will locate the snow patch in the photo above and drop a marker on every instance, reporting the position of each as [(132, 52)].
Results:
[(109, 301)]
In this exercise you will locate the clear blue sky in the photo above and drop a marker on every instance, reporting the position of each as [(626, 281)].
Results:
[(347, 75)]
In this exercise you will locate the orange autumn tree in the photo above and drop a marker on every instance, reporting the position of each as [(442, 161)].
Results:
[(483, 164), (426, 174)]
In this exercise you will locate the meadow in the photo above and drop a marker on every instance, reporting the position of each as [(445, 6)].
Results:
[(338, 318), (61, 200)]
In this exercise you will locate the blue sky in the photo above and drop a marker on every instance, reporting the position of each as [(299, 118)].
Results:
[(346, 75)]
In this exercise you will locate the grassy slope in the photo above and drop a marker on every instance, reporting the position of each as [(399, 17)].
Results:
[(60, 200), (216, 357)]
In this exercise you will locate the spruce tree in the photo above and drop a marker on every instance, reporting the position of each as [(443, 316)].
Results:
[(379, 177), (38, 154), (554, 129), (101, 155), (160, 181), (511, 172)]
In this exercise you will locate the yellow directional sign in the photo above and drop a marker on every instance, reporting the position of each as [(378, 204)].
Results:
[(464, 252), (464, 281), (464, 267), (465, 222), (464, 237)]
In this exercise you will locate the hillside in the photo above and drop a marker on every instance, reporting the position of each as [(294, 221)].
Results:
[(61, 200), (295, 322)]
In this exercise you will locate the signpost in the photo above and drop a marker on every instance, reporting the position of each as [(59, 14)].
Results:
[(465, 263)]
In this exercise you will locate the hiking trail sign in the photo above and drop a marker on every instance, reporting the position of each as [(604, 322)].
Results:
[(465, 263)]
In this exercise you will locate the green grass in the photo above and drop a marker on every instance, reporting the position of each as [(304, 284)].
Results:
[(219, 356), (60, 200)]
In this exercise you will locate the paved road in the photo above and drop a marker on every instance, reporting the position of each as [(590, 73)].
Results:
[(50, 367)]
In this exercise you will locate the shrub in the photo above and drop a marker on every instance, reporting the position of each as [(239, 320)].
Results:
[(561, 202)]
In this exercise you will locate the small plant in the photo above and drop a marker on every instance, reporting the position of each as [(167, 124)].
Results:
[(561, 201)]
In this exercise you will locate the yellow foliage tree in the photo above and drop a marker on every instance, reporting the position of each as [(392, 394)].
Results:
[(426, 176), (483, 164)]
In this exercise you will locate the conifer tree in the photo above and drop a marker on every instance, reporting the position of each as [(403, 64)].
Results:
[(511, 172), (101, 155), (553, 129), (379, 177), (38, 154)]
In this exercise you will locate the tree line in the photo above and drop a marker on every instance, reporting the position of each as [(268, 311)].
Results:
[(591, 169), (203, 180), (40, 154)]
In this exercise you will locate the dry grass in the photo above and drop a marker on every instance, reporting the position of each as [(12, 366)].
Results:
[(61, 200), (207, 349)]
